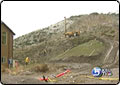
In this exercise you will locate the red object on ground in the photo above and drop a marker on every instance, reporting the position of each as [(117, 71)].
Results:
[(67, 71), (61, 74), (43, 79)]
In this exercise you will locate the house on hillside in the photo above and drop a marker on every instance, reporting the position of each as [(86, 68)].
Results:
[(6, 45)]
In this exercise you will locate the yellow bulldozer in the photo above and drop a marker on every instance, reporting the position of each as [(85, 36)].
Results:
[(70, 34)]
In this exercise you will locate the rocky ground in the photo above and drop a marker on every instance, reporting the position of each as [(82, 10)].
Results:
[(77, 75)]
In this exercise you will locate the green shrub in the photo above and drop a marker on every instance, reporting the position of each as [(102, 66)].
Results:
[(94, 13)]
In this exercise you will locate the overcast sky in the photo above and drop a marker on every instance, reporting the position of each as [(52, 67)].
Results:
[(27, 16)]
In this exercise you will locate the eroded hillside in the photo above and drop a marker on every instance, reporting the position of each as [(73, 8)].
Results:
[(49, 43)]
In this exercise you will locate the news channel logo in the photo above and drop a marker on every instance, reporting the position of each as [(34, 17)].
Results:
[(98, 72)]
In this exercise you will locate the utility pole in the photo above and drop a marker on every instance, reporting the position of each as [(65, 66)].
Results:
[(65, 24)]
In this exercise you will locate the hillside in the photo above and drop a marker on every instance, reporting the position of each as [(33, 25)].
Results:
[(98, 33), (52, 54)]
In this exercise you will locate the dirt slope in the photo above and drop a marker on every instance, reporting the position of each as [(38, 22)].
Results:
[(97, 45)]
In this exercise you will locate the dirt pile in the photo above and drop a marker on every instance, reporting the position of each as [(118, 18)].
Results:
[(40, 68)]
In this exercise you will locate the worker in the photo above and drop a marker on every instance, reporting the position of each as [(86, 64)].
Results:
[(10, 62), (16, 66), (26, 60)]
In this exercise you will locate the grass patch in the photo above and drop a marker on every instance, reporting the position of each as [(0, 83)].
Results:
[(93, 47)]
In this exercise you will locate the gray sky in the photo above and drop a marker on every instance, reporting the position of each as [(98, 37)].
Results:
[(27, 16)]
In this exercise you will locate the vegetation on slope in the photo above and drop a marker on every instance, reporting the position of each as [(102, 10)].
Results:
[(93, 47), (92, 26)]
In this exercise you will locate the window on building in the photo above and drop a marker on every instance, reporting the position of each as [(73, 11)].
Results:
[(3, 60), (4, 38)]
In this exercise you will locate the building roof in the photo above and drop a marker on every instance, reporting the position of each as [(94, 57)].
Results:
[(7, 27)]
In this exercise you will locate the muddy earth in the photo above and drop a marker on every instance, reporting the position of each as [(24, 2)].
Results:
[(77, 75)]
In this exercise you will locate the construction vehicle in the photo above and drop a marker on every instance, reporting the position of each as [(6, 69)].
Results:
[(70, 34), (76, 33)]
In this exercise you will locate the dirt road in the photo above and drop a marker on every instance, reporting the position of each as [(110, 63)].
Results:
[(108, 53)]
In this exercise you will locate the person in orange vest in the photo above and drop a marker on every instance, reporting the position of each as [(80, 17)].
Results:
[(26, 60)]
